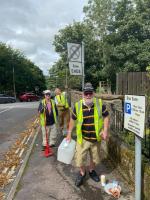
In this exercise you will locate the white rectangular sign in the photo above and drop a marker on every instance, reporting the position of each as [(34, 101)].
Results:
[(134, 114), (75, 68), (74, 52)]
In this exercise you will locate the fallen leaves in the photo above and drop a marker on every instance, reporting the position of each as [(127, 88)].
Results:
[(2, 195), (12, 157)]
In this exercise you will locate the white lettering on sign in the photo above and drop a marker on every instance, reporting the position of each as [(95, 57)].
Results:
[(134, 114)]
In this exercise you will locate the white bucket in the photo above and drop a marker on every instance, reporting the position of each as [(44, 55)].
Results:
[(66, 151)]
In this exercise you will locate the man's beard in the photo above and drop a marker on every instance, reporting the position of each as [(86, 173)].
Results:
[(89, 102)]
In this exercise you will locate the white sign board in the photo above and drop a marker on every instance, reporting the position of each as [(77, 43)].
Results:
[(74, 52), (134, 114), (75, 68)]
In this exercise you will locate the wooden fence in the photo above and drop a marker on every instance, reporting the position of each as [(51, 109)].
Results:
[(134, 83)]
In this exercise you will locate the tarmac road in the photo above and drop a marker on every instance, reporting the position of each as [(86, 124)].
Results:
[(14, 118)]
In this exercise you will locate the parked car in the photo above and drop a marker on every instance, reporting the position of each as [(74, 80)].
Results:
[(4, 98), (28, 97)]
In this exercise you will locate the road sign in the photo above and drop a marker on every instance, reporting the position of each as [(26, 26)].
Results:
[(74, 52), (134, 114), (75, 68), (128, 108)]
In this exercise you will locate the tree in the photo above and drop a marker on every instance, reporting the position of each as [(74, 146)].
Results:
[(98, 14), (128, 38), (76, 33), (27, 74), (116, 36)]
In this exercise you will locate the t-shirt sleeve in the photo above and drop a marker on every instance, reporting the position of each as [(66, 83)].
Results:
[(74, 116), (40, 108), (105, 112)]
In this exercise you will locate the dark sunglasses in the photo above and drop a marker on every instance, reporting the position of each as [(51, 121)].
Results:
[(48, 94), (88, 93)]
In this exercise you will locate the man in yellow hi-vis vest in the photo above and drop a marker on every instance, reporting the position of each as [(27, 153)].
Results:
[(91, 126), (62, 104), (48, 119)]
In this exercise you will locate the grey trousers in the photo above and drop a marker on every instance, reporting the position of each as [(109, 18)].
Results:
[(52, 134)]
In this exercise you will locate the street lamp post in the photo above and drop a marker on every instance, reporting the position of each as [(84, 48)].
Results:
[(83, 75), (14, 87)]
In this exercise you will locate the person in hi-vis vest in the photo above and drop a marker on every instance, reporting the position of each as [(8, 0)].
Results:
[(92, 123), (48, 119), (62, 104)]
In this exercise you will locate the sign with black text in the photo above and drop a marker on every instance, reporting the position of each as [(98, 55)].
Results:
[(134, 114), (76, 58), (75, 68)]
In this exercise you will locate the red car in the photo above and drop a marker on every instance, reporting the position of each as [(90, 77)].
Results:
[(28, 97)]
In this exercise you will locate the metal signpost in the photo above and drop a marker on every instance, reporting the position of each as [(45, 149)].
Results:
[(76, 59), (134, 120), (14, 85)]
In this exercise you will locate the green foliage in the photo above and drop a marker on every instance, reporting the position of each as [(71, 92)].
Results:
[(148, 70), (128, 137), (76, 33), (100, 90), (128, 38), (27, 75), (116, 36)]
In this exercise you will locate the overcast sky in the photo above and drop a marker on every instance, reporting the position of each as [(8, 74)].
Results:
[(30, 25)]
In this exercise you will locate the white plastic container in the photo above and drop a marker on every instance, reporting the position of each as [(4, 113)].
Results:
[(66, 151)]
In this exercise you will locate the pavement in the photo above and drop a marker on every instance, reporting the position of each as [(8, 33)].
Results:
[(48, 179)]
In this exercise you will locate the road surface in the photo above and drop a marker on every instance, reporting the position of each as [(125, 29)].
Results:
[(14, 119)]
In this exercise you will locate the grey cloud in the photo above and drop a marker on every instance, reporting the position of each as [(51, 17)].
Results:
[(30, 25)]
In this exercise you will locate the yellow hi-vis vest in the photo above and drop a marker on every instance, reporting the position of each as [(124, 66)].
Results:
[(43, 115), (98, 119), (62, 100)]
